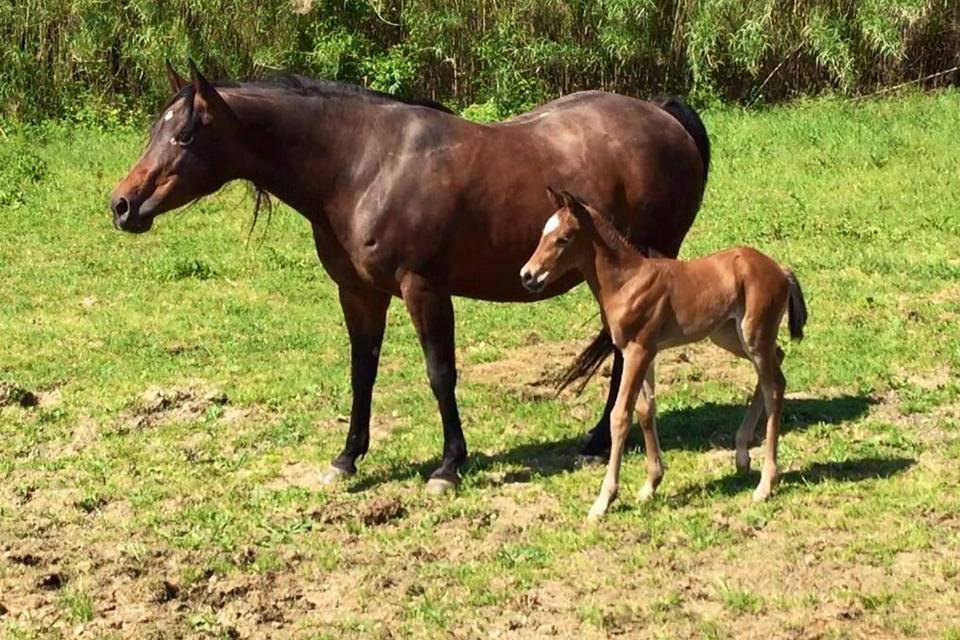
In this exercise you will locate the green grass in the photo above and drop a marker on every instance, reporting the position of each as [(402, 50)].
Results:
[(186, 514)]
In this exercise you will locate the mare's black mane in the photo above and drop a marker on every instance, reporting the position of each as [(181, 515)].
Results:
[(294, 85), (302, 86)]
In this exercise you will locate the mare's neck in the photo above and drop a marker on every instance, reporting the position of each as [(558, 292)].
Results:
[(299, 147)]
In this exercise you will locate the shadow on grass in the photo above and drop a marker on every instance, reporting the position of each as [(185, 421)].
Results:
[(855, 470), (713, 425), (701, 428)]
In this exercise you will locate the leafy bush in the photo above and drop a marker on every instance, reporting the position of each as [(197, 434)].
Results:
[(62, 57)]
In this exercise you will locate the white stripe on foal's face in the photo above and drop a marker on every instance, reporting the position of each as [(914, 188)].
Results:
[(169, 116), (552, 224)]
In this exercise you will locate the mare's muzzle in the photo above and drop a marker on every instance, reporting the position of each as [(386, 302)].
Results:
[(126, 216)]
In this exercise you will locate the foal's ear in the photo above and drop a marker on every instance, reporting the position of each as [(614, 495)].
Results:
[(574, 205), (177, 82), (555, 198), (207, 101)]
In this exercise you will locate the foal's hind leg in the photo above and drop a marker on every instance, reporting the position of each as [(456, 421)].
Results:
[(774, 384), (759, 341), (647, 416), (728, 338), (636, 359)]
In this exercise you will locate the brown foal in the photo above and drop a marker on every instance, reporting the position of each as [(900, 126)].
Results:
[(736, 297)]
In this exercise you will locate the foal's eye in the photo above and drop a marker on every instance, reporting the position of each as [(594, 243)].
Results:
[(563, 241)]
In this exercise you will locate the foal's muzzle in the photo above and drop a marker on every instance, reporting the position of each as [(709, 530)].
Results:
[(533, 282)]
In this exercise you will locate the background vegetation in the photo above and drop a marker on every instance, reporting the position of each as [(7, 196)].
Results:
[(498, 57)]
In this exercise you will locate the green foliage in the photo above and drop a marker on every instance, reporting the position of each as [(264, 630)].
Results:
[(76, 57)]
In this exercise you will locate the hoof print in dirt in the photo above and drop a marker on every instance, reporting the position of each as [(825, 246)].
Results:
[(166, 591), (52, 582), (24, 559), (11, 394), (381, 511)]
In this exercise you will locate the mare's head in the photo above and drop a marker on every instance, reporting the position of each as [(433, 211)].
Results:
[(186, 156), (561, 243)]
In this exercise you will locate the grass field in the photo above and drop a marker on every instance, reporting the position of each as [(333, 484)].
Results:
[(190, 387)]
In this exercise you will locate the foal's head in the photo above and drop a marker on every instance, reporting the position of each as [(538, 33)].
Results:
[(185, 158), (561, 243)]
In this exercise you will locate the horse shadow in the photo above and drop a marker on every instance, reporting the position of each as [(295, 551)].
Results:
[(700, 428), (853, 470)]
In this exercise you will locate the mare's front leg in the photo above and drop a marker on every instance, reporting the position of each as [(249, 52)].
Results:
[(636, 360), (432, 313), (598, 443), (365, 313)]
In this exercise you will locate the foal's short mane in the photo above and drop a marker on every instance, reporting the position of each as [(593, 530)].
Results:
[(608, 231)]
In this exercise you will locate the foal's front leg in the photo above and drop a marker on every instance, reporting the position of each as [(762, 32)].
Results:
[(636, 359)]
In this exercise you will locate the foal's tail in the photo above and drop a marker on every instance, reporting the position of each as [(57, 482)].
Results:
[(797, 306), (587, 362)]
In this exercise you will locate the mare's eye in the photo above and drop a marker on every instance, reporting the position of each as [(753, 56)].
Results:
[(563, 241)]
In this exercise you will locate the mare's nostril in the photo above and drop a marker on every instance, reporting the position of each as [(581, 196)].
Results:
[(121, 206)]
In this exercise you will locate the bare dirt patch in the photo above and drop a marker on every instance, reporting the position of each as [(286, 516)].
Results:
[(304, 475), (531, 370), (157, 406)]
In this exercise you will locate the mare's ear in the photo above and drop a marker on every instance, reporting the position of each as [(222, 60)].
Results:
[(177, 82), (207, 101), (555, 198)]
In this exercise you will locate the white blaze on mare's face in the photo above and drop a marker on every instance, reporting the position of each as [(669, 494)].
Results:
[(552, 224), (169, 116)]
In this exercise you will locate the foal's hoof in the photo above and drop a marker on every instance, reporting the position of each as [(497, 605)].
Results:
[(440, 486), (760, 494), (646, 493), (333, 475)]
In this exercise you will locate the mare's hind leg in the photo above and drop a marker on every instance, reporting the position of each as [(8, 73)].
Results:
[(647, 416), (598, 442), (728, 338), (432, 314), (636, 359)]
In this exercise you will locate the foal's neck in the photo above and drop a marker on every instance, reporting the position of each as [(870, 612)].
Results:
[(612, 259)]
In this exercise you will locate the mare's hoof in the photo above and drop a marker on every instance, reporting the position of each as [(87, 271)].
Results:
[(743, 464), (333, 475), (760, 494), (440, 486)]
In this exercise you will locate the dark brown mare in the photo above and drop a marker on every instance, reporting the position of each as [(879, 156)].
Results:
[(408, 200), (735, 297)]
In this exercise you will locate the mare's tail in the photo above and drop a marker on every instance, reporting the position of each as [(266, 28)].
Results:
[(587, 362), (797, 307), (690, 119)]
